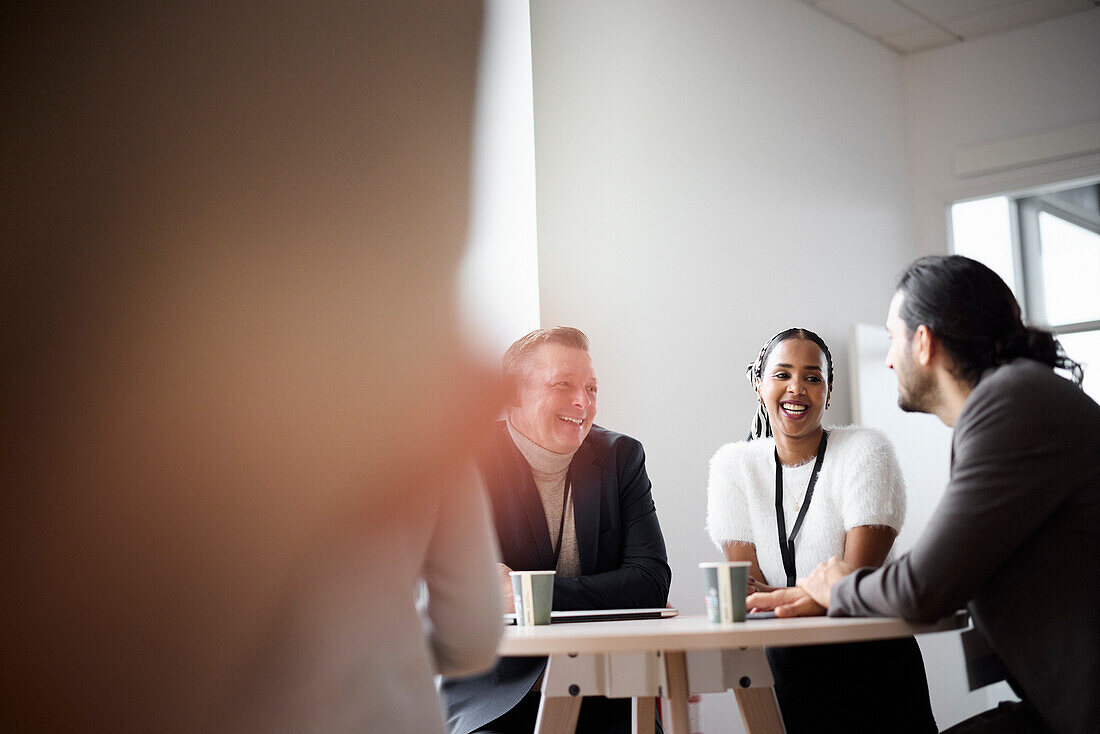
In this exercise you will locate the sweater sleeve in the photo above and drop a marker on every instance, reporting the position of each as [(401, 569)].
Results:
[(727, 506), (460, 570), (872, 489)]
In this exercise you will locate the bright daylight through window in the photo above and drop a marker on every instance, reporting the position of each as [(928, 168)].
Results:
[(1047, 248)]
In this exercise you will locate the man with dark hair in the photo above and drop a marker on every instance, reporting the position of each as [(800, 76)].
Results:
[(1014, 537), (568, 496)]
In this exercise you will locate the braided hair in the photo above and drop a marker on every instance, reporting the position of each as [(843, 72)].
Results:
[(761, 425)]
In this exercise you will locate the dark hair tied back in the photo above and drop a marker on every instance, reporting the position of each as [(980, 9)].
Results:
[(976, 317), (1039, 345)]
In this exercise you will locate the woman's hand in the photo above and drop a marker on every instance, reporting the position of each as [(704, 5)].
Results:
[(753, 586), (787, 602)]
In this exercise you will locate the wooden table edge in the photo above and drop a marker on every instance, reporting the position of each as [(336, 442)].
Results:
[(693, 632)]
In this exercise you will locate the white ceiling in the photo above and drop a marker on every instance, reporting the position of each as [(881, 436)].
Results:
[(908, 26)]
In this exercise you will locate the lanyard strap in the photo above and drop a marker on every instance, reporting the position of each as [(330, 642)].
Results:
[(786, 545), (561, 523)]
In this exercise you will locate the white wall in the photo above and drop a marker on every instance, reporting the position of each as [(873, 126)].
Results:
[(499, 283), (1039, 78), (709, 173)]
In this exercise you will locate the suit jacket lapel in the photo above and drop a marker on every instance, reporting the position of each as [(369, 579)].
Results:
[(584, 473), (532, 506)]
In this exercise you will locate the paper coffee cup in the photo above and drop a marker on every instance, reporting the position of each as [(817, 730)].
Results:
[(725, 583), (533, 592)]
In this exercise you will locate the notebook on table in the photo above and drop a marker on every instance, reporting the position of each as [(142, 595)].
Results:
[(604, 615), (761, 615)]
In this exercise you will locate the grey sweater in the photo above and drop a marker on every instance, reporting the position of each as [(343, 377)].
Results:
[(1015, 538)]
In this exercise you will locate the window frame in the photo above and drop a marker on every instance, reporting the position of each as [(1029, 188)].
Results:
[(1027, 255)]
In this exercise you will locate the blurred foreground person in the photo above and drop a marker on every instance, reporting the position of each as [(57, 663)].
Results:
[(1014, 537), (235, 404)]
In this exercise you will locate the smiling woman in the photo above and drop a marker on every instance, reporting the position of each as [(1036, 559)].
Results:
[(794, 388), (796, 494)]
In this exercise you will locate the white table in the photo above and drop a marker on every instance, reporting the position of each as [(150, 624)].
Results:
[(672, 658)]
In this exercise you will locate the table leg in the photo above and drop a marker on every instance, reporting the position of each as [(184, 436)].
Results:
[(759, 710), (643, 711), (674, 696), (747, 673), (558, 715)]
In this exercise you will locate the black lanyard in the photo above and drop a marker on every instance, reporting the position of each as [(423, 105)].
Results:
[(786, 545)]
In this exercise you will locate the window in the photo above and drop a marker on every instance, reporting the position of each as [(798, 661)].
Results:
[(1047, 248)]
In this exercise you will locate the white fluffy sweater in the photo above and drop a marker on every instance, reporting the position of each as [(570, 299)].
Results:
[(860, 484)]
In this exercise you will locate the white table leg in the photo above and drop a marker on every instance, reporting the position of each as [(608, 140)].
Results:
[(570, 677), (746, 672), (560, 703)]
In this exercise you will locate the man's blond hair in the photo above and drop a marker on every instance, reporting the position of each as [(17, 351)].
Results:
[(516, 362)]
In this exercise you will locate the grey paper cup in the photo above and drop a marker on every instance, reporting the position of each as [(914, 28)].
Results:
[(725, 584), (533, 592)]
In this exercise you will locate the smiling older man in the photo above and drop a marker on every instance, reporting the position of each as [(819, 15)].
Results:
[(569, 496)]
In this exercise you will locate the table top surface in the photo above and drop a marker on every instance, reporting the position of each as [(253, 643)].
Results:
[(695, 632)]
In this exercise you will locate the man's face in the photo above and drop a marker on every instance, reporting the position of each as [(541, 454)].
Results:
[(556, 403), (916, 388)]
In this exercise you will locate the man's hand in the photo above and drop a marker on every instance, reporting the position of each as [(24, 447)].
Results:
[(787, 602), (820, 583), (506, 589)]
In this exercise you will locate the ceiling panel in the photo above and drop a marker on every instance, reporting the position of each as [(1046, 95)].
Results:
[(873, 17), (940, 9), (1007, 17), (908, 26), (918, 39)]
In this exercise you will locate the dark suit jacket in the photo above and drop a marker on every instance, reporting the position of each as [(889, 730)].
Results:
[(622, 552), (1015, 539)]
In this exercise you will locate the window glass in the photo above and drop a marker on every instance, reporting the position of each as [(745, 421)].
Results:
[(1085, 348), (982, 230), (1071, 270)]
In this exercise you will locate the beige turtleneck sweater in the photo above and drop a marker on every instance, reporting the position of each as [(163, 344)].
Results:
[(549, 471)]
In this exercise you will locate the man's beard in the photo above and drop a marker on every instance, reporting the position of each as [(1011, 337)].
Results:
[(916, 391)]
